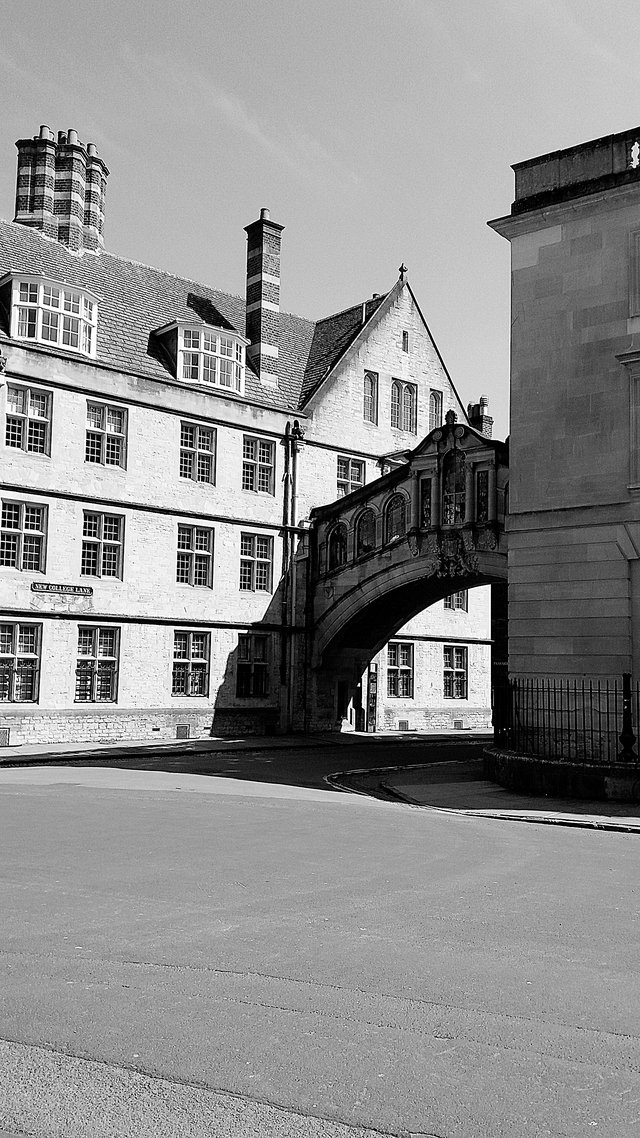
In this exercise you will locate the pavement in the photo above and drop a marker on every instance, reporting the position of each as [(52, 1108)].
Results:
[(186, 956)]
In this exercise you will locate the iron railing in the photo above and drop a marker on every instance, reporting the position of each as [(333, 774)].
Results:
[(590, 721)]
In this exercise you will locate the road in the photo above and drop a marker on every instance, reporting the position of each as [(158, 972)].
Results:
[(198, 954)]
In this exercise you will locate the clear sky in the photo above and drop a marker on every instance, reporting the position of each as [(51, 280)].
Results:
[(376, 131)]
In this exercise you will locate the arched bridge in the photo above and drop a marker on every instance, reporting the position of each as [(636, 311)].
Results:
[(431, 525)]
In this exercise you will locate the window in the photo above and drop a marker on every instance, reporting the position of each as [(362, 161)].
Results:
[(337, 547), (19, 662), (102, 536), (258, 461), (28, 419), (395, 523), (256, 562), (400, 670), (252, 679), (370, 397), (54, 314), (97, 665), (190, 674), (194, 563), (350, 475), (453, 488), (435, 410), (482, 496), (425, 502), (365, 533), (211, 356), (404, 406), (405, 341), (458, 601), (455, 672), (106, 434), (197, 452), (22, 532)]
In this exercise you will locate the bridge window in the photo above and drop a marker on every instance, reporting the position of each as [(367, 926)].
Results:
[(370, 397), (365, 533), (459, 601), (404, 405), (482, 496), (395, 519), (337, 547), (453, 488), (400, 670), (350, 475), (435, 410), (425, 502)]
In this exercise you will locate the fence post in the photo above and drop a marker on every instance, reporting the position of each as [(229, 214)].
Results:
[(627, 737)]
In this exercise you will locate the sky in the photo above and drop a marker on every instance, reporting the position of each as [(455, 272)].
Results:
[(375, 131)]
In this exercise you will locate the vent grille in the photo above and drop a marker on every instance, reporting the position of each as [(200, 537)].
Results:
[(4, 736), (183, 730)]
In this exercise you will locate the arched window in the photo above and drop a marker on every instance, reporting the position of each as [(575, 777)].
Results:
[(453, 488), (409, 402), (370, 410), (396, 396), (337, 544), (395, 518), (365, 533), (404, 402), (435, 410)]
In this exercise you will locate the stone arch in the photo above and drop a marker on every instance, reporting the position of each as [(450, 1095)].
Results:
[(337, 546), (395, 517), (365, 528)]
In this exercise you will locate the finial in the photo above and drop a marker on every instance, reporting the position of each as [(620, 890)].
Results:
[(450, 418), (402, 270)]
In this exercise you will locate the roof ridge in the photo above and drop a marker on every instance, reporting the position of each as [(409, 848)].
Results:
[(351, 307)]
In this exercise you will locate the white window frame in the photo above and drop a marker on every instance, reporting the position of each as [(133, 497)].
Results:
[(49, 312), (400, 669), (455, 682), (258, 465), (11, 661), (104, 434), (191, 664), (191, 452), (194, 553), (458, 601), (95, 659), (256, 565), (348, 478), (26, 419), (23, 532), (211, 357), (105, 544)]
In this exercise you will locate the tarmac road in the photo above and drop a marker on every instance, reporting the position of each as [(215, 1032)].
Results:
[(188, 955)]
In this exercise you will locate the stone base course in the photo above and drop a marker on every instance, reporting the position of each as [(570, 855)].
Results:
[(525, 773)]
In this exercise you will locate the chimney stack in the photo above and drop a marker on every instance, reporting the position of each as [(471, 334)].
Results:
[(478, 418), (263, 296), (61, 189)]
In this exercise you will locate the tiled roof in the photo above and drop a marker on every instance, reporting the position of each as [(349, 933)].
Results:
[(331, 338), (136, 300)]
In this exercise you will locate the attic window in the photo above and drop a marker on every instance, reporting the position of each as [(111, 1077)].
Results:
[(210, 356), (48, 312)]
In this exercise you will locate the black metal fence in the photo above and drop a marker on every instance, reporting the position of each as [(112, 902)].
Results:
[(588, 721)]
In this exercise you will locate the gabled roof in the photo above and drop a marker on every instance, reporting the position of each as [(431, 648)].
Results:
[(331, 338)]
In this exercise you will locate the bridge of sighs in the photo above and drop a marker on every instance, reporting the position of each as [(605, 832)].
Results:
[(429, 526)]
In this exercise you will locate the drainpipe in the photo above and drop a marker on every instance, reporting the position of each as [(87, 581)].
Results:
[(295, 438)]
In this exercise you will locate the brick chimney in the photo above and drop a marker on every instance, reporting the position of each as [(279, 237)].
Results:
[(263, 296), (60, 189), (478, 418)]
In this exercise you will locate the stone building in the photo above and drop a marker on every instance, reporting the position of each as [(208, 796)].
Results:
[(162, 443), (574, 492)]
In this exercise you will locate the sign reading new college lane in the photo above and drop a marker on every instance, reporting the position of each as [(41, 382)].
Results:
[(70, 590)]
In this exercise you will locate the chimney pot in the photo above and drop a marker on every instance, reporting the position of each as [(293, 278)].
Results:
[(45, 132), (72, 137), (91, 150), (264, 214)]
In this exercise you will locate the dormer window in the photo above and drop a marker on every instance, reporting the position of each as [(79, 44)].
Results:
[(48, 312), (211, 356)]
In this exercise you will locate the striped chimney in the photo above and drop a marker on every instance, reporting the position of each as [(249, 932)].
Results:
[(263, 296)]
